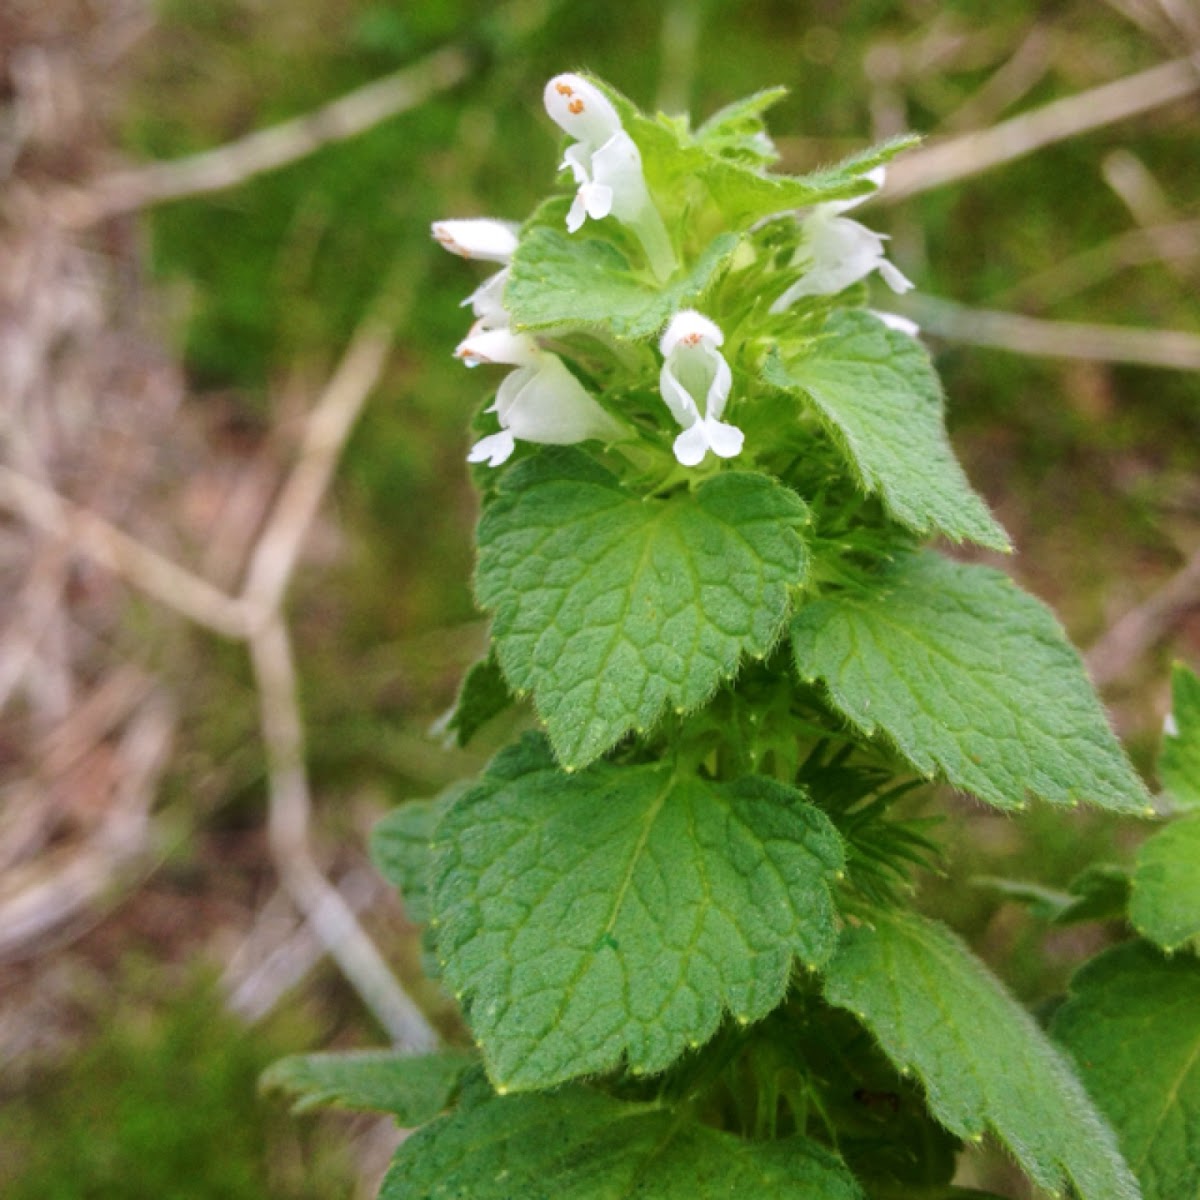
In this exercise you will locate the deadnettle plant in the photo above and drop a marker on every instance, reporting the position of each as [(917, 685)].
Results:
[(677, 912)]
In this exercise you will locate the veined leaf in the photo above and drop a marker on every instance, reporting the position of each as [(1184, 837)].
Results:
[(970, 677), (560, 279), (1133, 1025), (414, 1090), (1165, 902), (579, 1145), (621, 911), (939, 1013), (879, 397), (609, 606), (402, 849), (1179, 760)]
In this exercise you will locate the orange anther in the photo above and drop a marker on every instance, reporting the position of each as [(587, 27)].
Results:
[(564, 89), (575, 105)]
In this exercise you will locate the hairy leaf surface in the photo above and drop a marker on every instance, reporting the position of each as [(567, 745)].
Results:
[(623, 910), (579, 1145), (610, 607), (1179, 762), (1133, 1025), (878, 395), (402, 850), (970, 677), (1165, 903), (415, 1090), (560, 279), (939, 1013)]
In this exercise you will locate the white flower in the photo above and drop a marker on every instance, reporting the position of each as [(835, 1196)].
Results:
[(607, 167), (483, 238), (540, 401), (490, 241), (694, 372), (836, 252)]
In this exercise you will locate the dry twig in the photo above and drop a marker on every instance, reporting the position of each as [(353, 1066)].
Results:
[(269, 149), (973, 153), (1167, 348)]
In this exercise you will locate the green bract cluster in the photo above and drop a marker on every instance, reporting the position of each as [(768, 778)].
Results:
[(707, 474)]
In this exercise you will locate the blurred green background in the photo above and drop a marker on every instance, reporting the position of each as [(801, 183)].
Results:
[(1092, 467)]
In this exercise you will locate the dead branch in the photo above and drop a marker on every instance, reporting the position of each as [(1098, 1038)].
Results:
[(323, 905), (273, 558), (165, 581), (973, 153), (1169, 348), (269, 149), (1178, 242)]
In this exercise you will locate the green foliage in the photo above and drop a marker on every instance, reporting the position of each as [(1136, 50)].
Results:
[(1165, 902), (401, 848), (483, 695), (414, 1090), (985, 1064), (925, 657), (610, 606), (580, 1145), (876, 392), (1098, 893), (1133, 1025), (621, 911), (1179, 761), (575, 279), (711, 836)]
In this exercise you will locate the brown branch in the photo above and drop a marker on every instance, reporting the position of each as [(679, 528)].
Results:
[(269, 149), (973, 153), (326, 428), (323, 905), (1168, 348), (163, 580)]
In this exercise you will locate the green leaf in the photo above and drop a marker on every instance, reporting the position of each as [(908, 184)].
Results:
[(745, 195), (415, 1090), (622, 910), (609, 606), (1133, 1025), (559, 279), (1099, 892), (737, 131), (1165, 905), (483, 695), (970, 677), (579, 1145), (939, 1013), (402, 849), (880, 399), (1179, 760)]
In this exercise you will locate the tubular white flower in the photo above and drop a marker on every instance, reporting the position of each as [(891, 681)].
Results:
[(489, 241), (483, 345), (487, 302), (607, 167), (482, 237), (836, 252), (695, 372), (541, 401)]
